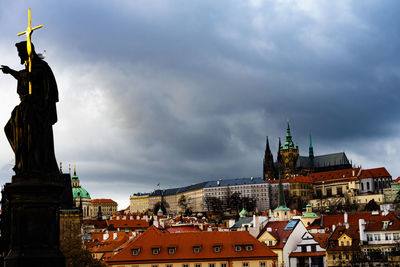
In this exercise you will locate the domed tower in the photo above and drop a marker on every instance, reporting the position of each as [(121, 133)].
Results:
[(288, 155), (80, 195)]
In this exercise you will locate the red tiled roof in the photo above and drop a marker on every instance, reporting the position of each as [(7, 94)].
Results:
[(108, 245), (352, 232), (184, 243), (103, 200), (397, 180), (127, 223), (322, 239), (97, 224), (376, 223), (277, 232), (334, 176), (300, 179), (329, 220), (181, 229), (374, 173), (307, 254)]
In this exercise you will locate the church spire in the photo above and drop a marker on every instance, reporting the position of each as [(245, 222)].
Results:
[(310, 150), (268, 167), (289, 142)]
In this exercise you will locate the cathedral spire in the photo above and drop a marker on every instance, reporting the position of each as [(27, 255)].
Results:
[(310, 150), (289, 142), (268, 167)]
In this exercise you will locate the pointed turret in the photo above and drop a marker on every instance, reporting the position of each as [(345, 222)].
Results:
[(268, 167), (310, 150), (289, 142)]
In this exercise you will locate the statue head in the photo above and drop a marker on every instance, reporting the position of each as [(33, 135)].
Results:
[(22, 51)]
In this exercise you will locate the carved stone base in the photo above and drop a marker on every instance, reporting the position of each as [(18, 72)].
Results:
[(34, 222)]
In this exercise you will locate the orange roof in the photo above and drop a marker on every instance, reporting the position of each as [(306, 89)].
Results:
[(278, 232), (300, 179), (397, 180), (127, 223), (307, 254), (108, 245), (374, 173), (184, 243), (376, 223), (103, 200), (334, 176), (322, 239)]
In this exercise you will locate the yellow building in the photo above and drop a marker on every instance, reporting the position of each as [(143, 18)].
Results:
[(344, 243), (194, 249), (108, 207), (139, 202)]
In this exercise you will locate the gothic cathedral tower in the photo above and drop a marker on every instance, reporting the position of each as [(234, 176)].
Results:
[(268, 167), (288, 156)]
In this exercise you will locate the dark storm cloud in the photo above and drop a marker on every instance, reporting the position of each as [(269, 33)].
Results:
[(183, 91)]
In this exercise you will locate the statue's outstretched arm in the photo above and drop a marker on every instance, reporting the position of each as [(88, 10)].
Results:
[(8, 70)]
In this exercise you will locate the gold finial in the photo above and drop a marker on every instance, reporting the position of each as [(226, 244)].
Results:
[(74, 170), (28, 33)]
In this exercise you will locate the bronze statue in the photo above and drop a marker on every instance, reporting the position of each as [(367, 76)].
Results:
[(30, 128)]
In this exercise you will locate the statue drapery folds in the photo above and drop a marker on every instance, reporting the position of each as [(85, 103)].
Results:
[(30, 128)]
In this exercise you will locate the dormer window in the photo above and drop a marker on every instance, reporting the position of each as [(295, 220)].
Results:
[(249, 247), (196, 249), (155, 251), (135, 251), (217, 248), (238, 248), (171, 250)]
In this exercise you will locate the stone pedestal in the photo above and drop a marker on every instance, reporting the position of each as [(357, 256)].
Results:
[(33, 205)]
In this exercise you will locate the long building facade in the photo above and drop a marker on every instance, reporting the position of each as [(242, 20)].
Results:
[(196, 195)]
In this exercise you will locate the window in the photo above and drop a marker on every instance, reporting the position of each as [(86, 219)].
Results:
[(347, 243), (329, 192), (313, 248), (171, 250), (185, 265), (377, 237), (333, 257), (303, 248), (155, 251), (197, 265), (169, 265), (196, 249), (135, 251), (238, 248), (341, 243), (367, 185), (339, 191), (388, 237), (270, 243), (263, 264), (154, 265), (396, 236), (347, 256), (217, 248), (211, 265), (362, 187), (249, 247), (223, 264), (245, 264)]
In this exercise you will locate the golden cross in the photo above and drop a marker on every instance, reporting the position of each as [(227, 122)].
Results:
[(28, 33)]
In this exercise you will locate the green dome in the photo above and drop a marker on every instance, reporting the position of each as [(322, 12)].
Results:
[(243, 212), (78, 192)]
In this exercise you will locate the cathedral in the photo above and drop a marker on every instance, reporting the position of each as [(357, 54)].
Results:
[(289, 162)]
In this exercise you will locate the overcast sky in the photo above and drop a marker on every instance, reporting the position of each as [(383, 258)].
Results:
[(179, 92)]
